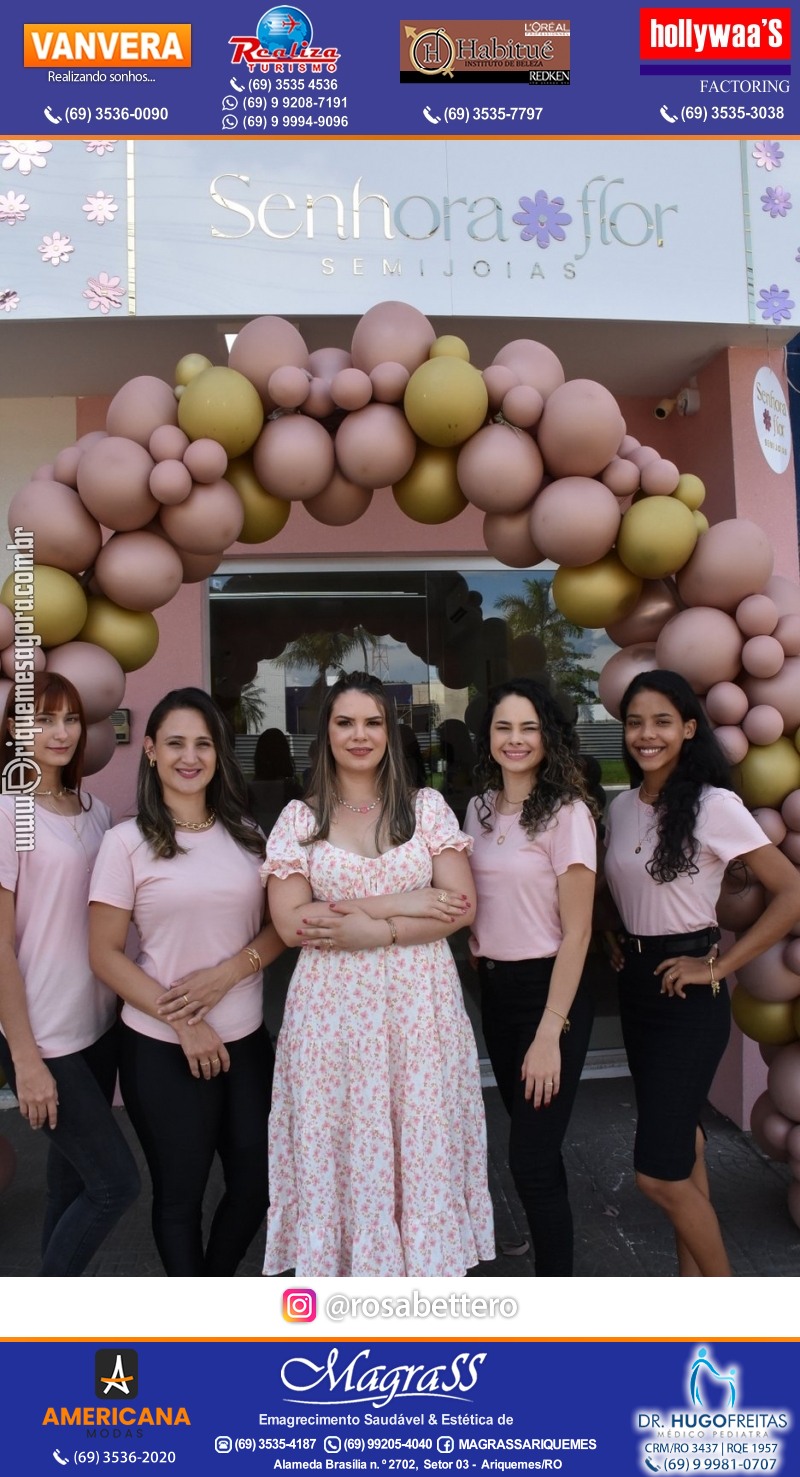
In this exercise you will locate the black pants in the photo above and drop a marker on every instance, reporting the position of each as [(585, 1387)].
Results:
[(513, 996), (182, 1122)]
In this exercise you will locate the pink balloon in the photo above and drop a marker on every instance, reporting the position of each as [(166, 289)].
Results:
[(785, 593), (5, 688), (113, 482), (264, 345), (170, 482), (140, 407), (498, 379), (375, 446), (168, 443), (44, 473), (319, 400), (65, 466), (726, 703), (790, 810), (769, 1128), (762, 656), (340, 503), (351, 389), (733, 559), (325, 363), (499, 469), (627, 445), (660, 478), (392, 331), (733, 743), (784, 1081), (620, 669), (757, 615), (6, 628), (65, 534), (642, 456), (138, 571), (763, 725), (288, 386), (206, 460), (197, 567), (740, 902), (781, 692), (575, 521), (767, 978), (101, 743), (507, 537), (655, 606), (533, 364), (522, 406), (293, 457), (389, 382), (208, 521), (770, 821), (787, 632), (97, 675), (793, 1198), (9, 656), (793, 1141), (790, 846), (90, 438), (580, 429), (703, 644), (768, 1052), (791, 958), (621, 477)]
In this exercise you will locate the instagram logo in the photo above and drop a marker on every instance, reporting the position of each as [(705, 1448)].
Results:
[(300, 1305)]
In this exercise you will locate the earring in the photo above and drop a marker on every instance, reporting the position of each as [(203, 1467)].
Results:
[(151, 761)]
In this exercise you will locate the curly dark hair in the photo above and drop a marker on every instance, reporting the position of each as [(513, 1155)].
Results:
[(559, 779), (701, 762)]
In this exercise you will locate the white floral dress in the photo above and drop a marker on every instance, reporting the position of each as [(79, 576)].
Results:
[(377, 1153)]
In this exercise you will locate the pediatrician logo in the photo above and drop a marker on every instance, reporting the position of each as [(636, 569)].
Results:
[(704, 1380), (116, 1374), (283, 43)]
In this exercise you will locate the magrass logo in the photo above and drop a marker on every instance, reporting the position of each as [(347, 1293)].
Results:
[(116, 1374)]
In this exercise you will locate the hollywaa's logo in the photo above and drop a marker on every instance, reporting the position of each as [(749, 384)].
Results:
[(360, 1382), (283, 43)]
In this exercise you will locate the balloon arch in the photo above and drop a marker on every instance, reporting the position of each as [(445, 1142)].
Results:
[(181, 473)]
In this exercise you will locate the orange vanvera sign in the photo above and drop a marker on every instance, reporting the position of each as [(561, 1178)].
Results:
[(120, 45)]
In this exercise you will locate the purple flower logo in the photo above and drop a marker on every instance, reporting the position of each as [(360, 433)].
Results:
[(542, 219), (776, 201), (103, 292), (767, 419), (768, 156), (775, 303)]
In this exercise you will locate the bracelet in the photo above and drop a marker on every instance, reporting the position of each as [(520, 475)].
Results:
[(393, 930), (564, 1018), (255, 959), (714, 980)]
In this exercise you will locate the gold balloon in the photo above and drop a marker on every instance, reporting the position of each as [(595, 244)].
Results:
[(58, 603), (429, 492), (264, 514), (448, 347), (189, 367), (130, 635), (768, 773), (222, 404), (656, 537), (690, 491), (596, 594), (446, 401), (701, 522), (769, 1022)]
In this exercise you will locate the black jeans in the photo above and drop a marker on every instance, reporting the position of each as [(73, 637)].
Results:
[(182, 1122), (513, 996), (91, 1174)]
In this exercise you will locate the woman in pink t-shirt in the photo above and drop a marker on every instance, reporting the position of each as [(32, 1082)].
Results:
[(59, 1041), (669, 841), (196, 1061), (534, 863)]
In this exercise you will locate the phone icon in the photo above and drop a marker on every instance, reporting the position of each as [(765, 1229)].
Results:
[(431, 117), (236, 86), (665, 113), (54, 118), (62, 1460)]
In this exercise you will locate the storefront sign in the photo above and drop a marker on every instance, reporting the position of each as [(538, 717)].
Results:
[(771, 414)]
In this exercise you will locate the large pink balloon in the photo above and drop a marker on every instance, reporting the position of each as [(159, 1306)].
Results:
[(785, 593), (784, 1081), (97, 675), (208, 521), (101, 743), (140, 407), (703, 644), (655, 606), (113, 482), (769, 1128), (138, 570), (731, 560), (726, 703), (375, 446), (580, 429), (65, 533), (264, 345), (791, 958), (620, 669), (575, 521), (499, 469), (507, 537), (293, 457), (393, 331), (340, 503), (8, 659), (767, 978), (533, 364), (781, 692)]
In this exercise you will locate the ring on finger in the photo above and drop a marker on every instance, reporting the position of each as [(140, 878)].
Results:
[(186, 999), (442, 898)]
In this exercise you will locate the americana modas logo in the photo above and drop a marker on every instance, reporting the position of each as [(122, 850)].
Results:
[(116, 1374)]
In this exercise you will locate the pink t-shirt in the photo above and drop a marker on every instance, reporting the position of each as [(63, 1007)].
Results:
[(67, 1007), (725, 829), (191, 912), (517, 881)]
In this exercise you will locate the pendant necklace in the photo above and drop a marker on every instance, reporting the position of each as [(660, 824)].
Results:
[(646, 799), (357, 809), (502, 836)]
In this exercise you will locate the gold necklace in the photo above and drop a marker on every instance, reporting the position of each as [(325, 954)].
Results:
[(357, 809), (72, 819), (195, 825), (644, 799), (54, 794)]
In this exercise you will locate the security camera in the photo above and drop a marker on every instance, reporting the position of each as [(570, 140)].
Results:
[(663, 409)]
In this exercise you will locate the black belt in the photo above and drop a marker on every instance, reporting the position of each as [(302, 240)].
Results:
[(671, 944)]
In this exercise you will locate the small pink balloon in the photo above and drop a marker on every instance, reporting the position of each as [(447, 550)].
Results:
[(767, 978), (293, 458), (138, 571), (288, 386), (351, 389), (762, 656), (392, 331), (498, 379), (768, 1052), (168, 443), (790, 846), (9, 657), (627, 445), (197, 567), (770, 821), (726, 703), (97, 675), (101, 744), (757, 615), (264, 345), (784, 1081), (621, 477), (499, 469), (791, 958), (522, 406), (90, 438), (533, 364), (65, 466), (575, 521), (325, 363), (64, 532), (507, 537), (620, 669), (44, 473), (206, 460), (319, 401), (793, 1140), (340, 503), (375, 446), (790, 810), (787, 632), (5, 688), (114, 483), (580, 429), (170, 482), (142, 405), (763, 725), (732, 742), (769, 1128), (208, 521), (6, 627), (655, 606), (781, 692), (389, 382), (642, 456), (703, 644), (660, 478)]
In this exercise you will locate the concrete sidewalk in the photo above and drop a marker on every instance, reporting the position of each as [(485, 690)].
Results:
[(617, 1233)]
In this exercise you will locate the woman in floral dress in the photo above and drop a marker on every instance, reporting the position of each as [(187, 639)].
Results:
[(377, 1134)]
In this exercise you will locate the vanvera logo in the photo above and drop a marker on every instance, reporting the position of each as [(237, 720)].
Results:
[(718, 34), (360, 1382), (132, 45)]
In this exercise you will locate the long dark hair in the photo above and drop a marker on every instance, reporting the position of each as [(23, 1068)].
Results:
[(396, 819), (226, 794), (559, 778), (51, 693), (701, 762)]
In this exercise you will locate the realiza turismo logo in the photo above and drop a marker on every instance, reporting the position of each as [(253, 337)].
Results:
[(283, 43)]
